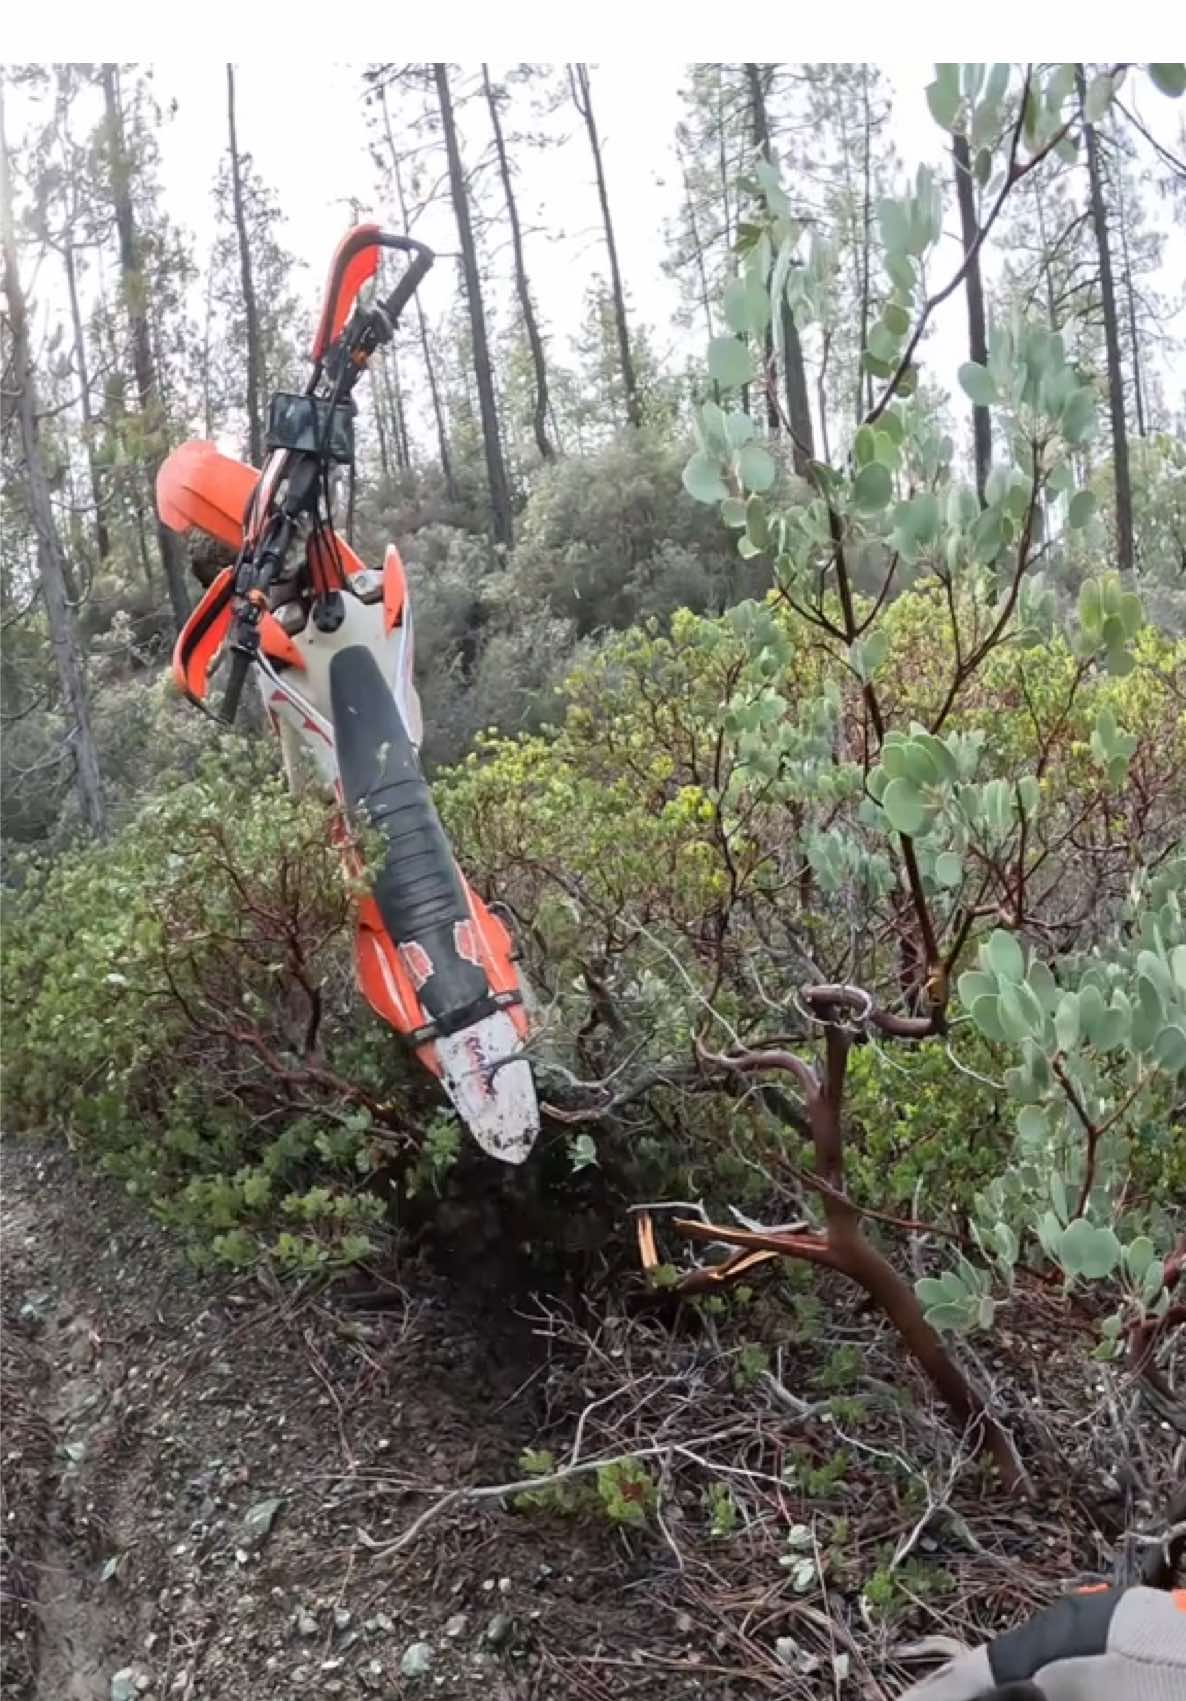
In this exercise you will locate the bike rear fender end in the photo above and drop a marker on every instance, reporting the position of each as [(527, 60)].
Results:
[(455, 954)]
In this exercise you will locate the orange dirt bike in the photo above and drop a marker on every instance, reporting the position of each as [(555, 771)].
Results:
[(330, 643)]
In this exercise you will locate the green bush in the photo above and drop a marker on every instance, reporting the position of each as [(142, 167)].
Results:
[(179, 1003)]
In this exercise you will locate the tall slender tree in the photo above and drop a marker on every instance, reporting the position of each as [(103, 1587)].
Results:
[(254, 420), (582, 95), (1099, 219), (136, 307), (539, 417), (60, 614), (502, 522), (430, 372), (794, 374), (974, 291), (65, 218)]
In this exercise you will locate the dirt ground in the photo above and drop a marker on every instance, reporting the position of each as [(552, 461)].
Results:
[(201, 1477)]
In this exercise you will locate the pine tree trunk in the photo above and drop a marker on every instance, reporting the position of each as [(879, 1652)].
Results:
[(582, 96), (381, 424), (1138, 388), (393, 385), (977, 335), (51, 559), (539, 418), (1120, 468), (102, 535), (147, 388), (254, 418), (794, 377), (500, 493), (760, 131), (438, 412), (697, 244), (866, 224)]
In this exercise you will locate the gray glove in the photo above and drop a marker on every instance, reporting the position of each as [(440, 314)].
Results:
[(1103, 1645)]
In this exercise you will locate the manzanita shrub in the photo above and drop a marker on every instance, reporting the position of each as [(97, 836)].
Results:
[(911, 807), (177, 1004), (1086, 988)]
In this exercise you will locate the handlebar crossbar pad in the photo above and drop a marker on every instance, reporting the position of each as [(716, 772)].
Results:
[(418, 888)]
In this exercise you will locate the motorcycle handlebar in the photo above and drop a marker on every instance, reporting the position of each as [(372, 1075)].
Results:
[(418, 270), (240, 666)]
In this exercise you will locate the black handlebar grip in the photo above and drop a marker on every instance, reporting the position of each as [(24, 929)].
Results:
[(240, 664), (415, 275)]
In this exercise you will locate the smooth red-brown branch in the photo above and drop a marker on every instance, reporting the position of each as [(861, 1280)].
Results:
[(918, 899), (853, 998), (844, 1247), (746, 1062), (1090, 1127), (813, 1247)]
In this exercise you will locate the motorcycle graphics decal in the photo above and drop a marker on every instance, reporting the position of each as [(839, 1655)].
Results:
[(417, 962)]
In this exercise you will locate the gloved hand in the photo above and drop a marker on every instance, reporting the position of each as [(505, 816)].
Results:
[(1102, 1645)]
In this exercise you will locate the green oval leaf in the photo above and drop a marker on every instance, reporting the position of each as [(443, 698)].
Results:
[(977, 383), (1077, 421), (739, 429), (1169, 1049), (944, 102), (1099, 97), (974, 984), (756, 467), (988, 535), (1083, 506), (905, 808), (872, 488), (1138, 1255), (1087, 1251), (1170, 79), (949, 870), (729, 363), (893, 221), (1005, 956), (702, 479), (987, 1017)]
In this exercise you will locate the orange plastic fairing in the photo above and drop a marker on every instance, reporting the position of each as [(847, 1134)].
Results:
[(386, 984), (205, 631), (197, 486), (493, 953), (328, 561), (355, 260), (395, 588)]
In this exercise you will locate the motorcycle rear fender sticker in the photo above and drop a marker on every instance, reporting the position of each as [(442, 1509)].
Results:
[(417, 962), (465, 943), (385, 981), (481, 1063)]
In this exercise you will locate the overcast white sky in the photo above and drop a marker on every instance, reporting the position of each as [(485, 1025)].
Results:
[(304, 124)]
